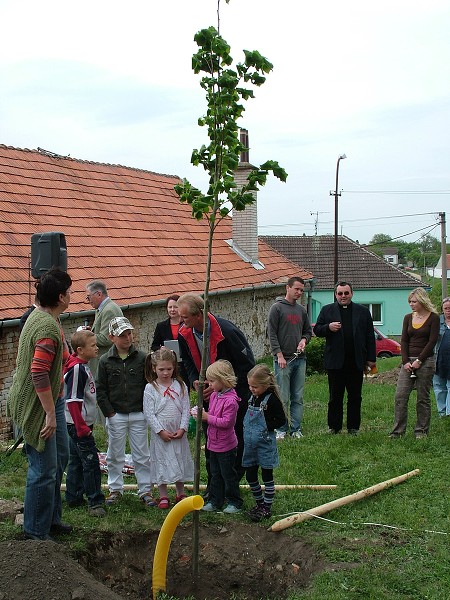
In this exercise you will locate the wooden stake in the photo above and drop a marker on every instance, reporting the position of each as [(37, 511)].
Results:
[(324, 508), (189, 486)]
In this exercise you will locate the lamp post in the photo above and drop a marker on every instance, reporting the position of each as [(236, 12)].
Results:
[(336, 193)]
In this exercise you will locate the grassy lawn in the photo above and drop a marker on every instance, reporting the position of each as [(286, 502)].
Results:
[(409, 559)]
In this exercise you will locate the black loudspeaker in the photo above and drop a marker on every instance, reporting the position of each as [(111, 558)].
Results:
[(48, 250)]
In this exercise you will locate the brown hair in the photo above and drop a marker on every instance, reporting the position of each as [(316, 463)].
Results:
[(263, 376), (163, 354), (173, 297), (80, 338)]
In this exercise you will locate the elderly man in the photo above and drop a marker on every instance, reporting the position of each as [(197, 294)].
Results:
[(289, 331), (226, 341), (349, 350), (105, 310)]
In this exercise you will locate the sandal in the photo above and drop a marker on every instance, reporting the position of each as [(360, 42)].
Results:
[(148, 499), (180, 497), (163, 503)]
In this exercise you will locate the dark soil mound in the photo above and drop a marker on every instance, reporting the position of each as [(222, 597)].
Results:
[(243, 561)]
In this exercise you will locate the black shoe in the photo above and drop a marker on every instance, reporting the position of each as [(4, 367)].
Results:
[(353, 431), (332, 431), (76, 503), (61, 528), (42, 538)]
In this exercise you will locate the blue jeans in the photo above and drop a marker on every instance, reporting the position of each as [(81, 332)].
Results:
[(291, 381), (42, 506), (441, 387), (224, 479), (83, 472)]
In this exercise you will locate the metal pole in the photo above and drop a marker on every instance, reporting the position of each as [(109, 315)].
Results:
[(336, 220), (443, 256)]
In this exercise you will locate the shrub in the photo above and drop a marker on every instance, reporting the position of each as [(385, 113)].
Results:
[(314, 355)]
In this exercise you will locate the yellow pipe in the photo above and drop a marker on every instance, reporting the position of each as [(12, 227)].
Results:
[(180, 509)]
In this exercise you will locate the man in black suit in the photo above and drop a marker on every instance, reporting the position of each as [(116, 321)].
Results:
[(349, 351)]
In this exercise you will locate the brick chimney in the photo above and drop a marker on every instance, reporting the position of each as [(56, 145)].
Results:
[(245, 222)]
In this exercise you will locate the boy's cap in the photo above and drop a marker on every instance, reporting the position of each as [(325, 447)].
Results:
[(118, 325)]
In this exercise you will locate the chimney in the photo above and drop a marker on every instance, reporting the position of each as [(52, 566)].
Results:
[(245, 222)]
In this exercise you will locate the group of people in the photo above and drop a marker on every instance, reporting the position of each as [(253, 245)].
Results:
[(55, 395)]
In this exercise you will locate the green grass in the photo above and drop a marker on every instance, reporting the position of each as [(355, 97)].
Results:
[(405, 561)]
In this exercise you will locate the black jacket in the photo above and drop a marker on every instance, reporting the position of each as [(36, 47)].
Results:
[(120, 383), (163, 332), (363, 336)]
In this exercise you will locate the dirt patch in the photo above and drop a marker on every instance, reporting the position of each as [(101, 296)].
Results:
[(244, 560), (239, 560), (387, 377)]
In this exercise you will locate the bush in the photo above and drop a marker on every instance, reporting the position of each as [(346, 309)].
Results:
[(314, 355)]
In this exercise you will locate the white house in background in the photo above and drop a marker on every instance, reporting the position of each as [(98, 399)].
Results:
[(437, 271), (390, 255)]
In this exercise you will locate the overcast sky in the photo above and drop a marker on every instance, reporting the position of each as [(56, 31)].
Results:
[(111, 81)]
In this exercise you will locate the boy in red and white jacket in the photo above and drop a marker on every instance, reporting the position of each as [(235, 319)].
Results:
[(83, 472)]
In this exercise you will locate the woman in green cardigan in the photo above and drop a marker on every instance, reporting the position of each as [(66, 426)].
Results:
[(36, 405)]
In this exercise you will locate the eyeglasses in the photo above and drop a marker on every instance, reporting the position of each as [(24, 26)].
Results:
[(342, 293), (89, 296)]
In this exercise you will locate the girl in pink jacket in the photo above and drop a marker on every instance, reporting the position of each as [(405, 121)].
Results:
[(222, 440)]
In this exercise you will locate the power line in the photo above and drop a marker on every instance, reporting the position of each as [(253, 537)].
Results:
[(395, 192)]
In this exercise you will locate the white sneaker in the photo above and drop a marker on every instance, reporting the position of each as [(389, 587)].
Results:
[(280, 435), (297, 434), (231, 509)]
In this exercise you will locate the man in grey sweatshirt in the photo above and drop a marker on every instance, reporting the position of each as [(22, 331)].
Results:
[(289, 331)]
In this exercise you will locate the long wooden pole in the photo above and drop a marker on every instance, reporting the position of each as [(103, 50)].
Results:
[(324, 508), (189, 486)]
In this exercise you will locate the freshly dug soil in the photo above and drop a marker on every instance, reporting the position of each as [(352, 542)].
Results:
[(239, 560)]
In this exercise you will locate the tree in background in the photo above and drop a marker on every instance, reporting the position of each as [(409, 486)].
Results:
[(226, 87), (421, 254)]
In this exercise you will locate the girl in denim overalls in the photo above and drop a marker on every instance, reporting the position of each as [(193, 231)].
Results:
[(265, 413)]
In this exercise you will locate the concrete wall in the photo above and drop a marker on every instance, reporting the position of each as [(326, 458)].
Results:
[(247, 310)]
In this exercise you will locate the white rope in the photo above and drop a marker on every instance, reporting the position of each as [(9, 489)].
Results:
[(305, 512)]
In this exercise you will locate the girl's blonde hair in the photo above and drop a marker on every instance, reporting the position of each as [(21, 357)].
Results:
[(163, 354), (423, 298), (222, 371), (263, 376)]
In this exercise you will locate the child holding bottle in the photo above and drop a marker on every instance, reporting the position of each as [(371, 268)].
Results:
[(222, 441)]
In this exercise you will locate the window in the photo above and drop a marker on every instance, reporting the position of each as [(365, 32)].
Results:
[(375, 311)]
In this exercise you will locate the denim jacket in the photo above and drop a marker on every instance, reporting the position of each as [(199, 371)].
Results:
[(442, 328)]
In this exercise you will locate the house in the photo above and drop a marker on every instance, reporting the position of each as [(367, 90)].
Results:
[(390, 255), (128, 227), (382, 287), (437, 271)]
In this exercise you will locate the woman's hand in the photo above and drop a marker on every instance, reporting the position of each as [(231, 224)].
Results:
[(49, 428)]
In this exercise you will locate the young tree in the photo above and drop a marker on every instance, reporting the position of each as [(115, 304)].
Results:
[(226, 88)]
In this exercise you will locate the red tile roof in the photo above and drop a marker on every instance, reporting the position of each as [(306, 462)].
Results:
[(123, 225)]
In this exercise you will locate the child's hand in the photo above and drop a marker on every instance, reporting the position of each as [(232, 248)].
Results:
[(165, 435), (178, 434), (204, 415)]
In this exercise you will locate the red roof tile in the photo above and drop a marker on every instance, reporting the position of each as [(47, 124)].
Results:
[(123, 225)]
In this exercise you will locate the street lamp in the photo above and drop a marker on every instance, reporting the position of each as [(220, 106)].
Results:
[(336, 193)]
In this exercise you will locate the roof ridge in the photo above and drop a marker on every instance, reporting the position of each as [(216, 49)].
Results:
[(41, 152)]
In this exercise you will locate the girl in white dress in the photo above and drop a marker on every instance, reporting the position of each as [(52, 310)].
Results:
[(167, 410)]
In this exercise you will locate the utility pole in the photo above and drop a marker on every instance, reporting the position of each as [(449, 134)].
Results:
[(443, 255)]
